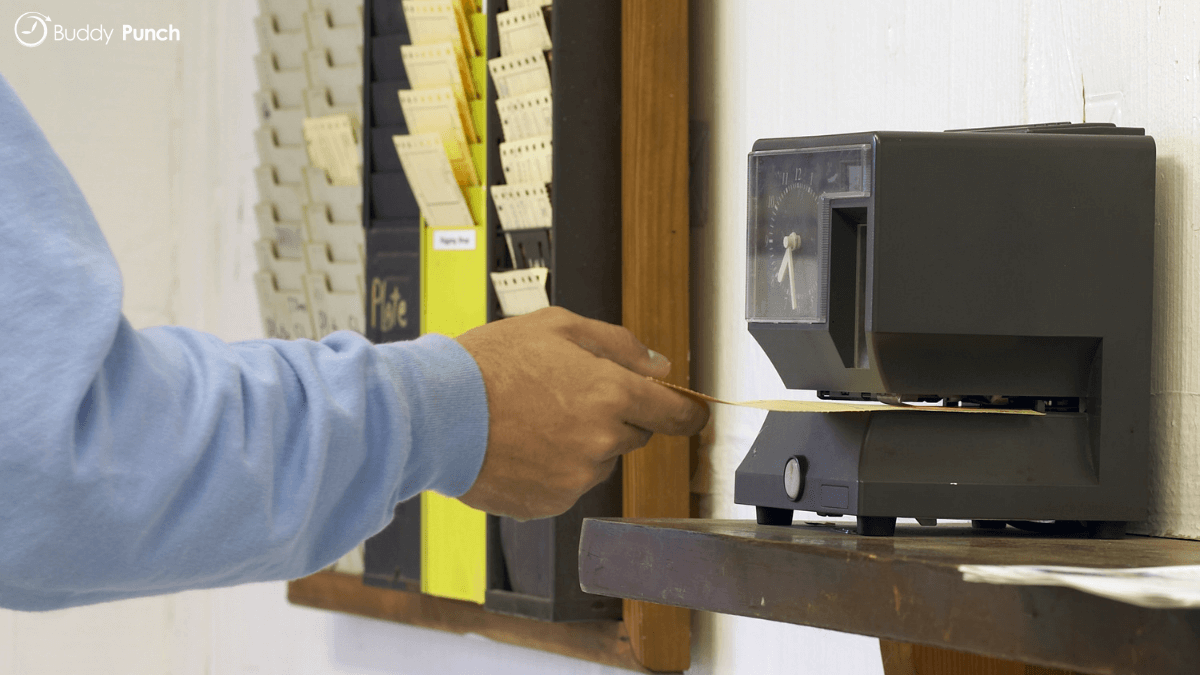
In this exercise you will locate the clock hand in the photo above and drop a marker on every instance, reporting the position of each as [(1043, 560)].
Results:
[(790, 244)]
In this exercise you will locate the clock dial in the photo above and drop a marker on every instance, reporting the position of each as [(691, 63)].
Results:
[(789, 192), (791, 220)]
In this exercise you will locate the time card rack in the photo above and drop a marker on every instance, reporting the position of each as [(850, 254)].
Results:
[(484, 197), (310, 246)]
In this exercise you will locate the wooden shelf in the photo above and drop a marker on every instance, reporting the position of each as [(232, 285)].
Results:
[(906, 588)]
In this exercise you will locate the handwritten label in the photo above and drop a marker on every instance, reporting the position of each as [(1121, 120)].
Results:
[(454, 240)]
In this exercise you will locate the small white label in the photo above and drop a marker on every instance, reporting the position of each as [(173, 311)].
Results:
[(454, 240)]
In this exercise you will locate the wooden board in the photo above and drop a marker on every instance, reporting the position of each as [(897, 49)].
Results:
[(654, 165), (604, 642), (900, 658), (905, 588)]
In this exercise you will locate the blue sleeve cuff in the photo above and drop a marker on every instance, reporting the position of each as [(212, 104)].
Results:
[(449, 414)]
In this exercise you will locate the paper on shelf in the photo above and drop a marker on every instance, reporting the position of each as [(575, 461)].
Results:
[(1174, 587)]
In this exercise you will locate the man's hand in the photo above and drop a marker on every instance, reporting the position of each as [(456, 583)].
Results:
[(566, 397)]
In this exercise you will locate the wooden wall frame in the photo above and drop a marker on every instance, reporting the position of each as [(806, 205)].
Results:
[(651, 638)]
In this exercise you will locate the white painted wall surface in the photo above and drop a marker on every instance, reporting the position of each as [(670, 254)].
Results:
[(770, 68), (160, 139)]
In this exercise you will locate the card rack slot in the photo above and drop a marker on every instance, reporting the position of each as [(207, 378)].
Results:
[(559, 243), (311, 251), (533, 566)]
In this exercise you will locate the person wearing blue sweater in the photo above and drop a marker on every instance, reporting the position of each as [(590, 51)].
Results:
[(139, 462)]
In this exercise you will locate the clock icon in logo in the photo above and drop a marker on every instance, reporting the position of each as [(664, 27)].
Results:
[(32, 28)]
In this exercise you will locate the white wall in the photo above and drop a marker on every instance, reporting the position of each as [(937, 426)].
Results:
[(159, 136), (803, 67)]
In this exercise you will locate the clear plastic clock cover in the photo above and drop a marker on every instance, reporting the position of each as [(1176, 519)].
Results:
[(787, 228)]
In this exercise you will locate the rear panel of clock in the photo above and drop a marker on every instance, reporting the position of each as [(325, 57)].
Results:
[(548, 201)]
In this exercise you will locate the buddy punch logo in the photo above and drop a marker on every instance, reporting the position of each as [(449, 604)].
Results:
[(34, 28)]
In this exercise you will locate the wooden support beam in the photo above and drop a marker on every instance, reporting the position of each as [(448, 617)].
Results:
[(654, 165)]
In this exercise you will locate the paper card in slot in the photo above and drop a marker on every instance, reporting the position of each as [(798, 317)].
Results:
[(432, 180), (289, 235), (334, 310), (285, 313), (346, 239), (519, 73), (437, 65), (529, 248), (289, 160), (523, 206), (288, 272), (437, 110), (343, 201), (526, 4), (522, 30), (527, 161), (527, 115), (521, 291), (431, 21), (784, 405), (333, 147)]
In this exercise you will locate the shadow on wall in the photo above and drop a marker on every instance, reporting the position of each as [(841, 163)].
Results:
[(1174, 471)]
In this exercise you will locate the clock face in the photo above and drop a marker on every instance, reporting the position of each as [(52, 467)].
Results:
[(788, 228)]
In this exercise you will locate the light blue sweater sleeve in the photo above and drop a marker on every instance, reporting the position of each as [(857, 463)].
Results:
[(142, 462)]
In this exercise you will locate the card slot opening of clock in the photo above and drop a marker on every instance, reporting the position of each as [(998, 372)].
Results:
[(848, 281)]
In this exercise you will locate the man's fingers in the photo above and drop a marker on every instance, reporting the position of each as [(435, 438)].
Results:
[(619, 345), (664, 411)]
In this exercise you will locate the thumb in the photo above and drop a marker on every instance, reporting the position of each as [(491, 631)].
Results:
[(619, 345)]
